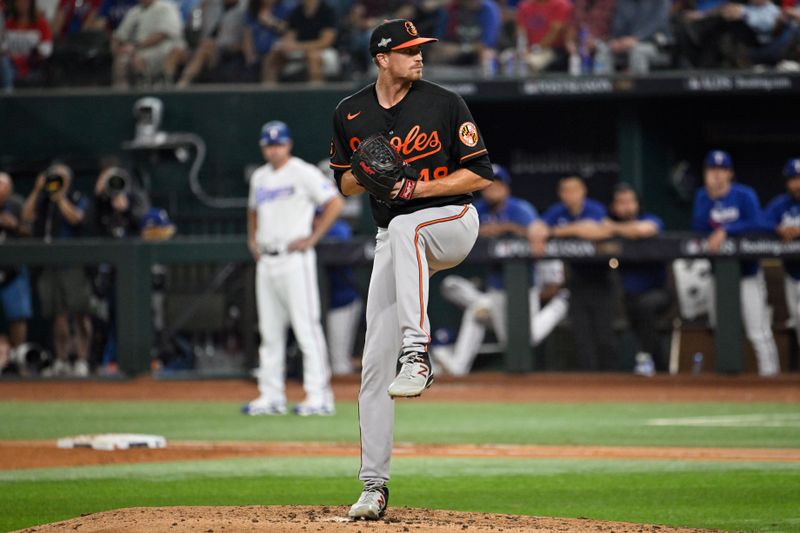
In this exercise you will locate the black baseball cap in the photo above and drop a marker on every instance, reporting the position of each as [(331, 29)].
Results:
[(395, 35)]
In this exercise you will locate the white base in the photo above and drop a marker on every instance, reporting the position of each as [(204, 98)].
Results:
[(113, 441)]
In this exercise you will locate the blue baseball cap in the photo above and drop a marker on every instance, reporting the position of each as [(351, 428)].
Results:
[(792, 168), (155, 217), (275, 132), (718, 159), (501, 174)]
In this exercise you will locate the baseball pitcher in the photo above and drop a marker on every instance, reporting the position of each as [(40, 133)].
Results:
[(415, 148)]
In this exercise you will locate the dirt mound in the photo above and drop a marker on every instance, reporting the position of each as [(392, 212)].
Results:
[(307, 519)]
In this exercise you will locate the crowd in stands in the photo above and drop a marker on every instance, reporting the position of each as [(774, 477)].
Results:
[(180, 42)]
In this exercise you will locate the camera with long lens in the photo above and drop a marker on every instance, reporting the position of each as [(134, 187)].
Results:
[(118, 182), (53, 181)]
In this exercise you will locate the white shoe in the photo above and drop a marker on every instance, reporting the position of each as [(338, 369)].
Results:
[(372, 503), (261, 406), (58, 369), (644, 365), (80, 369), (314, 409), (414, 377)]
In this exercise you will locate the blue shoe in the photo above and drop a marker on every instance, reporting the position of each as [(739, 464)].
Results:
[(259, 407), (311, 409)]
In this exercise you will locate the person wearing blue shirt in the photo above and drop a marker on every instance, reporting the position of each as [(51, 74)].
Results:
[(783, 217), (111, 13), (56, 212), (500, 215), (265, 22), (723, 208), (15, 289), (644, 285), (591, 286), (344, 309)]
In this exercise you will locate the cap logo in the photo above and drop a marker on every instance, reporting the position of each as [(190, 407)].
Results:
[(411, 29), (384, 42)]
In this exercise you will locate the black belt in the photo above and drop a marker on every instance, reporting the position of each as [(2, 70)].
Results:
[(272, 251)]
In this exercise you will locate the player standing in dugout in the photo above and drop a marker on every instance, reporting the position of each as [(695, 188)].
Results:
[(426, 224)]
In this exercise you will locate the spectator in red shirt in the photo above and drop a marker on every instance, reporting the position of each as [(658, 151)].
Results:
[(29, 41), (542, 26)]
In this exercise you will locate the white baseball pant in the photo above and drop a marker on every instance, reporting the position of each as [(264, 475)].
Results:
[(463, 293), (792, 292), (756, 321), (287, 293)]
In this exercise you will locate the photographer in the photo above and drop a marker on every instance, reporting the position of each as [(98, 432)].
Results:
[(118, 205), (56, 213), (117, 210)]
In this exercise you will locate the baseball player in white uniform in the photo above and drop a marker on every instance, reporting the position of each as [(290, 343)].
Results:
[(284, 194)]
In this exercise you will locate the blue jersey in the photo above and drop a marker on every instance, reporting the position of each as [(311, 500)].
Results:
[(638, 278), (589, 274), (784, 211), (115, 10), (515, 210), (265, 37), (559, 215), (737, 212), (341, 282)]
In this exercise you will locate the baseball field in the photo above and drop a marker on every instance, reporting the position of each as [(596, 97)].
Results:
[(489, 452)]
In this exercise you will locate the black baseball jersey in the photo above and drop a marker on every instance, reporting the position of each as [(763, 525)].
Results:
[(432, 129)]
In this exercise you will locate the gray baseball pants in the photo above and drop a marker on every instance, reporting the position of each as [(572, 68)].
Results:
[(407, 253)]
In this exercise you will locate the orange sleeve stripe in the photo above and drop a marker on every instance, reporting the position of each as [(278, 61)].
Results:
[(334, 165), (473, 154)]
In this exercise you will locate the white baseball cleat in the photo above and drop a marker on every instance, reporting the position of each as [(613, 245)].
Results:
[(415, 375), (312, 409), (263, 407), (372, 503), (644, 365)]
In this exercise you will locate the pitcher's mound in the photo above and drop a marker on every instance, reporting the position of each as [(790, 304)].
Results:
[(308, 519)]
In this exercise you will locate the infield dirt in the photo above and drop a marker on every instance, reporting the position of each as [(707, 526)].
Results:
[(307, 519)]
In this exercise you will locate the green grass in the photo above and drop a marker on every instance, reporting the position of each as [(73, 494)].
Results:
[(594, 424), (732, 496), (725, 495)]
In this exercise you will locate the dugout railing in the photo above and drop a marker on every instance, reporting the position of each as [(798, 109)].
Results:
[(133, 261)]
